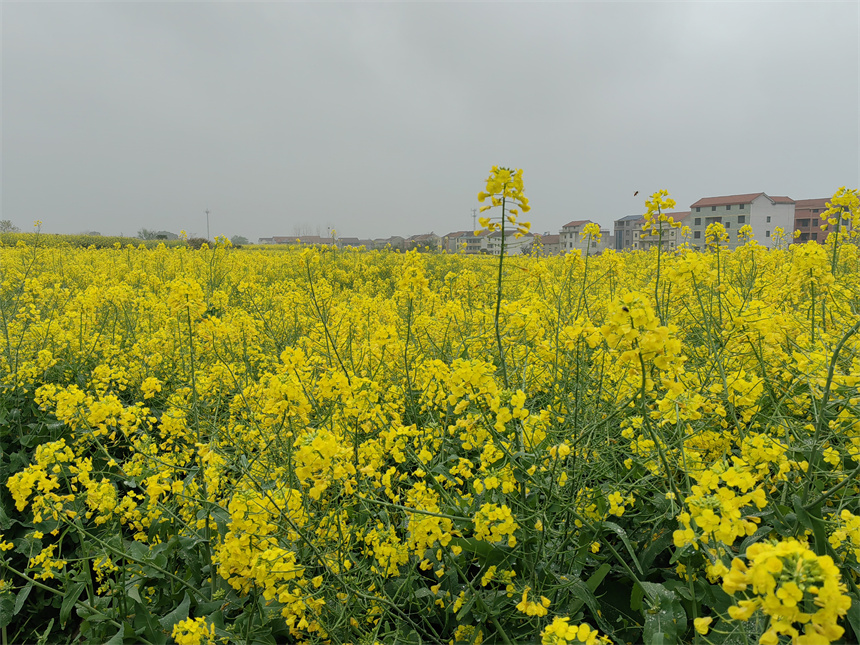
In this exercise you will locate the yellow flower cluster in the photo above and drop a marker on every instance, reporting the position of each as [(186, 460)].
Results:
[(505, 189), (193, 631), (795, 588), (493, 523), (560, 632), (655, 218)]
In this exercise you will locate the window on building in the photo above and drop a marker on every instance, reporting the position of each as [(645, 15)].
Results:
[(768, 219), (713, 208), (741, 206), (814, 210), (698, 209), (698, 220), (814, 236), (697, 235), (742, 219), (803, 223), (728, 208), (728, 224), (767, 233)]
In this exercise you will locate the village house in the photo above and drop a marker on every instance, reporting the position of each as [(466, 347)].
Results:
[(807, 219), (513, 245), (672, 238), (762, 212), (551, 244), (627, 230), (424, 241)]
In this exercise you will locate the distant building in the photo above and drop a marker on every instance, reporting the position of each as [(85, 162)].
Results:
[(671, 236), (424, 241), (513, 245), (807, 219), (452, 242), (761, 211), (476, 244), (295, 239), (395, 242), (627, 230), (551, 243), (569, 235)]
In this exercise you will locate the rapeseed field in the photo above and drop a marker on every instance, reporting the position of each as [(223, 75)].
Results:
[(346, 446)]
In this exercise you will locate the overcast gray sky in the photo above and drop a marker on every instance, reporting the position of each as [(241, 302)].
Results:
[(384, 119)]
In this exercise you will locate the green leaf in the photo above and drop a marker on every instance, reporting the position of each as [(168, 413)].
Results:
[(70, 599), (636, 596), (146, 626), (22, 597), (815, 524), (466, 608), (755, 537), (620, 532), (665, 618), (132, 590), (180, 613), (6, 609), (29, 547), (118, 638), (5, 521), (854, 618), (656, 548), (585, 595), (597, 577)]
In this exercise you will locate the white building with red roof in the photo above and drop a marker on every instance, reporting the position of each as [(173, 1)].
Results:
[(570, 238), (764, 213)]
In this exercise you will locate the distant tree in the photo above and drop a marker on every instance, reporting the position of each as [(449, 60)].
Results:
[(197, 242), (304, 229), (146, 234), (92, 233), (239, 240), (6, 226)]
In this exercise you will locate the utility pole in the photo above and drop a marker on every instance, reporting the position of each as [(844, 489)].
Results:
[(207, 222)]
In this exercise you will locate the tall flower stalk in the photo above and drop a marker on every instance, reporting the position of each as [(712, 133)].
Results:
[(504, 189), (842, 210), (656, 222)]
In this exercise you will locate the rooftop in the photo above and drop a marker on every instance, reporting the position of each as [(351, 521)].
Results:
[(746, 198), (577, 222), (819, 202)]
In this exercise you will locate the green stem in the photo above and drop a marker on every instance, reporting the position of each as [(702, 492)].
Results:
[(499, 300), (822, 416)]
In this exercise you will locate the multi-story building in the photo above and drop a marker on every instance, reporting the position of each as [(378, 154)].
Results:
[(671, 236), (627, 231), (424, 241), (465, 241), (570, 238), (807, 219), (513, 245), (762, 212), (551, 244), (452, 242), (395, 242)]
